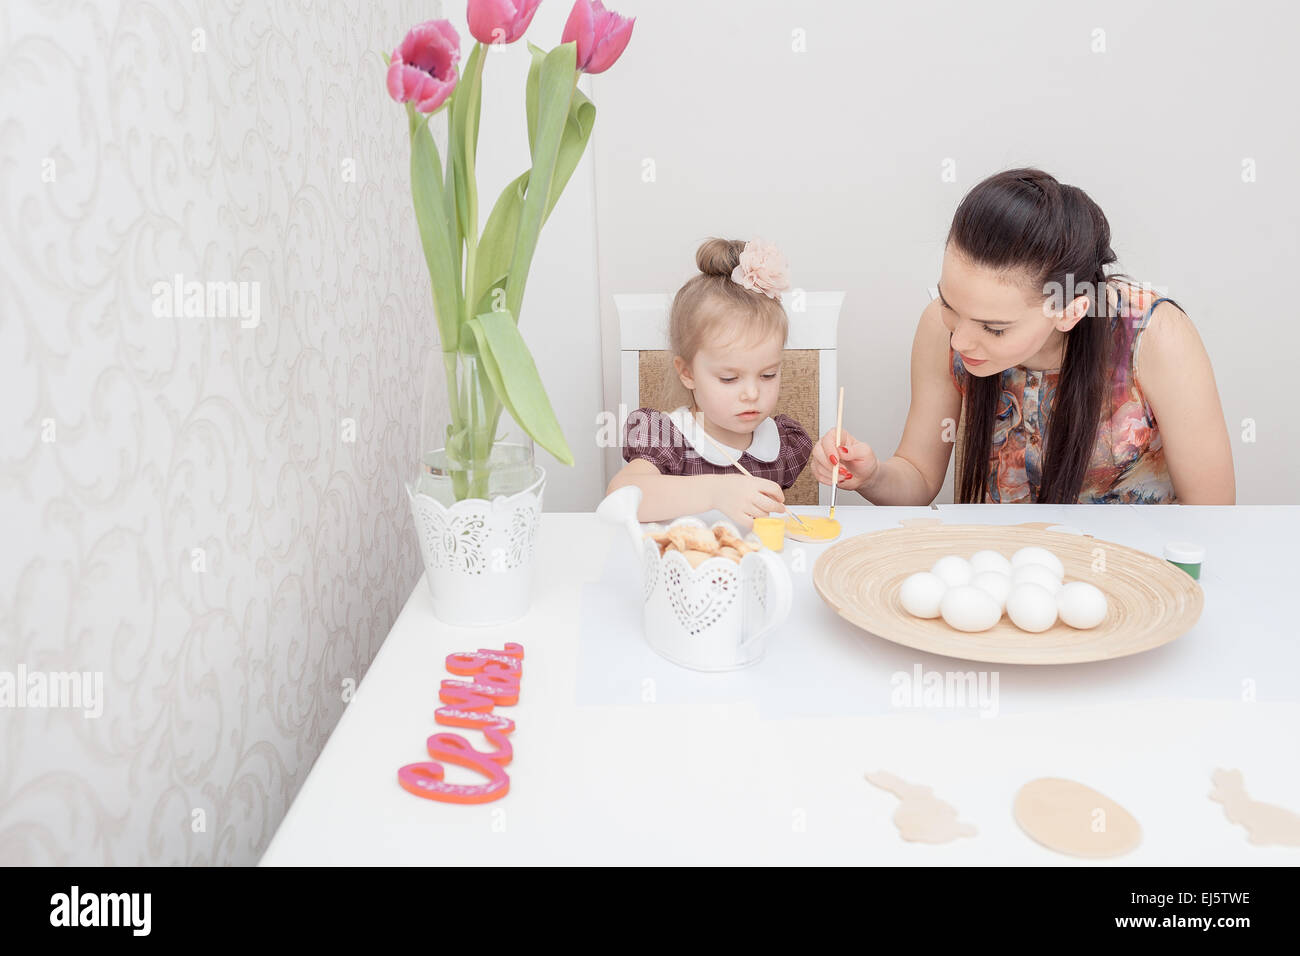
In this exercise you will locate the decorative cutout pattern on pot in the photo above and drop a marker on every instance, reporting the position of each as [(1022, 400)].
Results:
[(650, 552), (460, 541), (523, 532), (758, 588), (478, 554), (699, 597)]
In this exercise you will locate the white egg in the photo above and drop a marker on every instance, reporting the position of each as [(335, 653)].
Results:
[(954, 570), (989, 561), (994, 583), (921, 593), (1031, 608), (969, 609), (1036, 574), (1081, 605), (1036, 555)]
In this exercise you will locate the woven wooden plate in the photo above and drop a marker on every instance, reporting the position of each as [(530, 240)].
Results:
[(1150, 602)]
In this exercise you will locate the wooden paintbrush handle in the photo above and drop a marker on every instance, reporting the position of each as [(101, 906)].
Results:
[(835, 472)]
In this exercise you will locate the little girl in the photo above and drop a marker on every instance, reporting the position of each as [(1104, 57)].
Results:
[(727, 332)]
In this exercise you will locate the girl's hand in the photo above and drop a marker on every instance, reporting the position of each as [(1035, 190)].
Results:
[(742, 498), (854, 460)]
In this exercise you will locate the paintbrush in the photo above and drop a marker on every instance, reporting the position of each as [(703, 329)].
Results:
[(743, 470), (835, 473)]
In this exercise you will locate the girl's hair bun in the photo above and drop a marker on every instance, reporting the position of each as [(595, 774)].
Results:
[(719, 257)]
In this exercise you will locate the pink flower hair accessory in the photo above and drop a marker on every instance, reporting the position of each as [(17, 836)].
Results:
[(762, 269)]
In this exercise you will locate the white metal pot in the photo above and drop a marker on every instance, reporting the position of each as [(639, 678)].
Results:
[(478, 554), (715, 617)]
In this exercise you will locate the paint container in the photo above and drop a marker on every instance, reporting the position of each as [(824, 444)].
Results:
[(1185, 555), (771, 531)]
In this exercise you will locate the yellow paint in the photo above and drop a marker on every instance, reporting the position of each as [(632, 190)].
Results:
[(817, 529), (771, 531)]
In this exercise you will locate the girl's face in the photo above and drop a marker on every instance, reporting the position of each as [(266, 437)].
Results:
[(998, 322), (736, 386)]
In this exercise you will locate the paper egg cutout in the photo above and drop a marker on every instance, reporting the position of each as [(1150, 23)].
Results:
[(1068, 817)]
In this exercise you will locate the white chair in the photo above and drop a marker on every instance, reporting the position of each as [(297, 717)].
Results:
[(810, 352)]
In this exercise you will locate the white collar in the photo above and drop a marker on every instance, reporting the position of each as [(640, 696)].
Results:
[(765, 446)]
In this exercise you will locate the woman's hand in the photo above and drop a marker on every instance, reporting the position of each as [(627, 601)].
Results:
[(854, 460), (742, 498)]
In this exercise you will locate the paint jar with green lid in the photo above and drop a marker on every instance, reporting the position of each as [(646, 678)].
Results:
[(1187, 556)]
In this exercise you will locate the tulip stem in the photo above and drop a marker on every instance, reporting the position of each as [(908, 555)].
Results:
[(480, 429), (471, 192)]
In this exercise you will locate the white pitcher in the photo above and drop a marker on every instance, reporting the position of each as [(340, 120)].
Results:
[(715, 617)]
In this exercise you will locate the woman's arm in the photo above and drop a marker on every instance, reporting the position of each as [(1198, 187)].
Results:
[(914, 475), (1174, 373)]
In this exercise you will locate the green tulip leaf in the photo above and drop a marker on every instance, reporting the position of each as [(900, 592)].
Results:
[(497, 244), (530, 91), (513, 375), (462, 133), (555, 94), (577, 130), (435, 215)]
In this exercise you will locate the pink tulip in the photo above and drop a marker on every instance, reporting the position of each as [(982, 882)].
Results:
[(602, 35), (500, 21), (423, 68)]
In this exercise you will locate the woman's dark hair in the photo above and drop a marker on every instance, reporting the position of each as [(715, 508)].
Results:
[(1024, 220)]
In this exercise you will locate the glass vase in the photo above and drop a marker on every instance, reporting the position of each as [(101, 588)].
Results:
[(476, 497), (472, 448)]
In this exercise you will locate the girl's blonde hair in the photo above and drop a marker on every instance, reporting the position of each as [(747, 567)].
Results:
[(713, 309)]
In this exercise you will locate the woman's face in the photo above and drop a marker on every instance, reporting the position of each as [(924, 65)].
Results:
[(736, 384), (998, 320)]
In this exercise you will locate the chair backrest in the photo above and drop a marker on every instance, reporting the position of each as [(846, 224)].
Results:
[(808, 373)]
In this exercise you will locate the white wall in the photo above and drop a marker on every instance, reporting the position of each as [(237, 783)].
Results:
[(182, 511), (837, 153)]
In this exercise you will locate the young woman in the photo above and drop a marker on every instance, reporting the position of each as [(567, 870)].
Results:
[(1078, 386)]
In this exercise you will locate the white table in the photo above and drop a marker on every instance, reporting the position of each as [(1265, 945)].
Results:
[(620, 757)]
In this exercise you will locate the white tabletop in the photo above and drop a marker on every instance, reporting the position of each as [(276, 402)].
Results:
[(621, 757)]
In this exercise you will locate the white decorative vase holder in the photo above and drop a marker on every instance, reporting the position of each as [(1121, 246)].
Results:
[(478, 553), (715, 617)]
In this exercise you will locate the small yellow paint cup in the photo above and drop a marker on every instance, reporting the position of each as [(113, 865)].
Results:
[(771, 531)]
